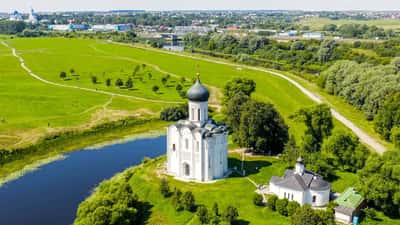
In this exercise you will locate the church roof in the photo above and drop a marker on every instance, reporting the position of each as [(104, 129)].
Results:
[(308, 180), (206, 130), (198, 92)]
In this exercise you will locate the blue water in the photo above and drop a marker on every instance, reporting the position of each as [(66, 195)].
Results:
[(51, 195)]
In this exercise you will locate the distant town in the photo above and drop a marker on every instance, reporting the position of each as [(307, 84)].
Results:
[(173, 25)]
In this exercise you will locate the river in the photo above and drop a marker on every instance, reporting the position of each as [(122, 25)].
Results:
[(51, 194)]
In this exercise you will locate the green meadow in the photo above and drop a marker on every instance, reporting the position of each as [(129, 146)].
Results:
[(33, 105)]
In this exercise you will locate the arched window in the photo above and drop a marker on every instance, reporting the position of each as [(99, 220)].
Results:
[(292, 196), (173, 147), (192, 115), (186, 169), (198, 115), (314, 198)]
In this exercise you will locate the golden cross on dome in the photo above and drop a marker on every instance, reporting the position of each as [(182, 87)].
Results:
[(198, 72)]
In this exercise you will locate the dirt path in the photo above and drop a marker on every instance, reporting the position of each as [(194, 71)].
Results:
[(364, 137), (77, 87)]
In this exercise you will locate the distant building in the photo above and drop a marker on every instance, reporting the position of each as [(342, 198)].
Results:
[(313, 35), (288, 33), (302, 186), (111, 27), (33, 17), (182, 30), (350, 202), (16, 16), (68, 27)]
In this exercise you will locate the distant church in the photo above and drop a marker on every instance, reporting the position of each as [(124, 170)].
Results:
[(197, 148)]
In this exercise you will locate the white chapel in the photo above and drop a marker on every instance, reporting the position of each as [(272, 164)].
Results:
[(302, 186), (197, 148)]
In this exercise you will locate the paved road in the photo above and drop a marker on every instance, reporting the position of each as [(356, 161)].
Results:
[(15, 54), (364, 137)]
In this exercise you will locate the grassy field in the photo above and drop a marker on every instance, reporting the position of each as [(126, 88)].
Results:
[(318, 23), (63, 107), (235, 190), (39, 105)]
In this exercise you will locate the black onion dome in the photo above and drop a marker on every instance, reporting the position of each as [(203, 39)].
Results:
[(198, 92)]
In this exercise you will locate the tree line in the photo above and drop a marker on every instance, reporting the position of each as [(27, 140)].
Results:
[(374, 89)]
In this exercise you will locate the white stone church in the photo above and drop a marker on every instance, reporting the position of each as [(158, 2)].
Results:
[(197, 148)]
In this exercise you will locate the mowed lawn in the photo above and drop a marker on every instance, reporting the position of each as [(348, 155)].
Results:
[(235, 191), (30, 108), (48, 56)]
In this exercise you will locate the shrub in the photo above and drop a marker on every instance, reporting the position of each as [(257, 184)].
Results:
[(177, 200), (370, 213), (281, 205), (155, 88), (231, 214), (271, 202), (164, 188), (292, 207), (188, 201), (202, 214), (258, 200)]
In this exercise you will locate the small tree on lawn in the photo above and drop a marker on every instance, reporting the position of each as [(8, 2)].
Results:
[(202, 213), (271, 202), (179, 87), (150, 75), (119, 82), (164, 81), (164, 188), (108, 82), (177, 200), (72, 71), (215, 209), (183, 80), (63, 75), (258, 200), (188, 201), (137, 68), (155, 88), (231, 214), (129, 83), (94, 79)]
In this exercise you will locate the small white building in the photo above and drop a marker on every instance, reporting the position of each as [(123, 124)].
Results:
[(313, 35), (197, 148), (302, 186)]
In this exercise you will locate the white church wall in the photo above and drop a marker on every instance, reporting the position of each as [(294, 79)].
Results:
[(291, 195), (194, 108), (321, 197), (173, 155)]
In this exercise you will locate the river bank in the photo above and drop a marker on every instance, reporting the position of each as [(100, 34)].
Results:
[(17, 162)]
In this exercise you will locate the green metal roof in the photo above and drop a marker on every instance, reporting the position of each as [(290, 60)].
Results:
[(350, 198)]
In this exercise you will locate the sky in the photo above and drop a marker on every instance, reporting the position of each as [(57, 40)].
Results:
[(81, 5)]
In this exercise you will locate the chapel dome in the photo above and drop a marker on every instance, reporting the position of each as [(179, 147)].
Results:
[(198, 93)]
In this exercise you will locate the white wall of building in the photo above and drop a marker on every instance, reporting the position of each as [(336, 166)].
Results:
[(197, 109), (343, 218)]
